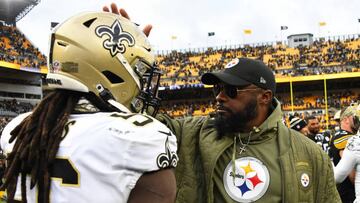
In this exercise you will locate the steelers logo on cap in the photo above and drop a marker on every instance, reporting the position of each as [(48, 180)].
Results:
[(232, 63)]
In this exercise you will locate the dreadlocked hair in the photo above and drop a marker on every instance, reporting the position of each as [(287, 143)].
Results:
[(37, 141)]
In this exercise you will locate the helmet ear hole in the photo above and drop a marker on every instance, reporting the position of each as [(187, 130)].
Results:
[(89, 22), (113, 78), (63, 44)]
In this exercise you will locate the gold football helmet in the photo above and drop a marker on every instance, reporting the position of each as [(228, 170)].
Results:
[(107, 55)]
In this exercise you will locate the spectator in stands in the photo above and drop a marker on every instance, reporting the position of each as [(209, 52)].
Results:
[(17, 49), (84, 132), (299, 124), (15, 107), (2, 166), (244, 142), (349, 124), (312, 59)]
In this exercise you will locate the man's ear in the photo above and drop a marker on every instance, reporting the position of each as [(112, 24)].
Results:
[(266, 97)]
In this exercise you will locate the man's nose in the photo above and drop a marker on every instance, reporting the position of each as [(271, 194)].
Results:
[(221, 97)]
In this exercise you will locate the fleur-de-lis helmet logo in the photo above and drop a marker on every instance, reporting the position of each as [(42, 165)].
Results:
[(115, 44)]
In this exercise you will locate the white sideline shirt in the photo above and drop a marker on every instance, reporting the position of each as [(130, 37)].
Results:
[(350, 160)]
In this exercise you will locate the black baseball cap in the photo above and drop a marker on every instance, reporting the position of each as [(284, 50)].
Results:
[(243, 72)]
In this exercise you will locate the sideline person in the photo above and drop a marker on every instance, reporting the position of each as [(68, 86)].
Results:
[(299, 124), (349, 125), (245, 153), (350, 160)]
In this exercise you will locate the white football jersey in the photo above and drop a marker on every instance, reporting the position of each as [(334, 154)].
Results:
[(103, 155), (350, 160)]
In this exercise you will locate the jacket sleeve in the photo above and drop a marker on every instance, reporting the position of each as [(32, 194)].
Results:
[(331, 193), (314, 159), (189, 126)]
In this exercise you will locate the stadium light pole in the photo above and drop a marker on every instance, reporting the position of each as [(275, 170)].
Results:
[(291, 95), (326, 105)]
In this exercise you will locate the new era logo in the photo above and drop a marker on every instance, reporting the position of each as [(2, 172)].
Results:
[(262, 80)]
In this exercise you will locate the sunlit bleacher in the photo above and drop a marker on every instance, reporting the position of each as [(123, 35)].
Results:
[(322, 57), (16, 49), (182, 69), (11, 108), (332, 56)]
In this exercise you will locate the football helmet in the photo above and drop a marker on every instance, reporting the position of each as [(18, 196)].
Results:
[(104, 54), (352, 111)]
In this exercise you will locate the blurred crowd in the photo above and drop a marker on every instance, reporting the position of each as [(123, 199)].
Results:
[(15, 106), (315, 101), (15, 48), (322, 57), (183, 70), (302, 106), (3, 122), (11, 108)]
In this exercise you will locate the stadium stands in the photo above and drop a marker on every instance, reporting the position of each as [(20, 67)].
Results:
[(11, 108), (182, 71), (15, 48), (322, 57)]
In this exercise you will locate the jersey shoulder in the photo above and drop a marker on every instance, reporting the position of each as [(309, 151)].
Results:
[(149, 138), (354, 143), (137, 122), (341, 138)]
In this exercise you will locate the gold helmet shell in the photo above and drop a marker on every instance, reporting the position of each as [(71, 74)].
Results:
[(105, 54)]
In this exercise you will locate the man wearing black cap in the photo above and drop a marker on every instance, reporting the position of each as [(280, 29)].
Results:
[(246, 153)]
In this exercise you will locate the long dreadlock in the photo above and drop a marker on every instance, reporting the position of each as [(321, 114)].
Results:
[(37, 141)]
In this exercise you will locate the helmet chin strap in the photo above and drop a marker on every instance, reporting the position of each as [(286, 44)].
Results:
[(106, 96), (118, 106), (137, 104)]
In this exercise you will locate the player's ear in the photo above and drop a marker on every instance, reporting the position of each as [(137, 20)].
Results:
[(266, 97)]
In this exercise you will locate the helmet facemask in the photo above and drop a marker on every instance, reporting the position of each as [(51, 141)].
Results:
[(147, 101)]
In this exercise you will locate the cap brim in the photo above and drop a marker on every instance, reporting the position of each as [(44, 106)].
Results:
[(215, 78)]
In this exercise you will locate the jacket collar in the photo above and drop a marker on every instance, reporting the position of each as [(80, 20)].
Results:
[(259, 133)]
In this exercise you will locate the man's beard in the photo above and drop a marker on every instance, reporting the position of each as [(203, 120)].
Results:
[(314, 131), (236, 121)]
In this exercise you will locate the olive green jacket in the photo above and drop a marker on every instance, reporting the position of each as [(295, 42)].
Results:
[(199, 150)]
